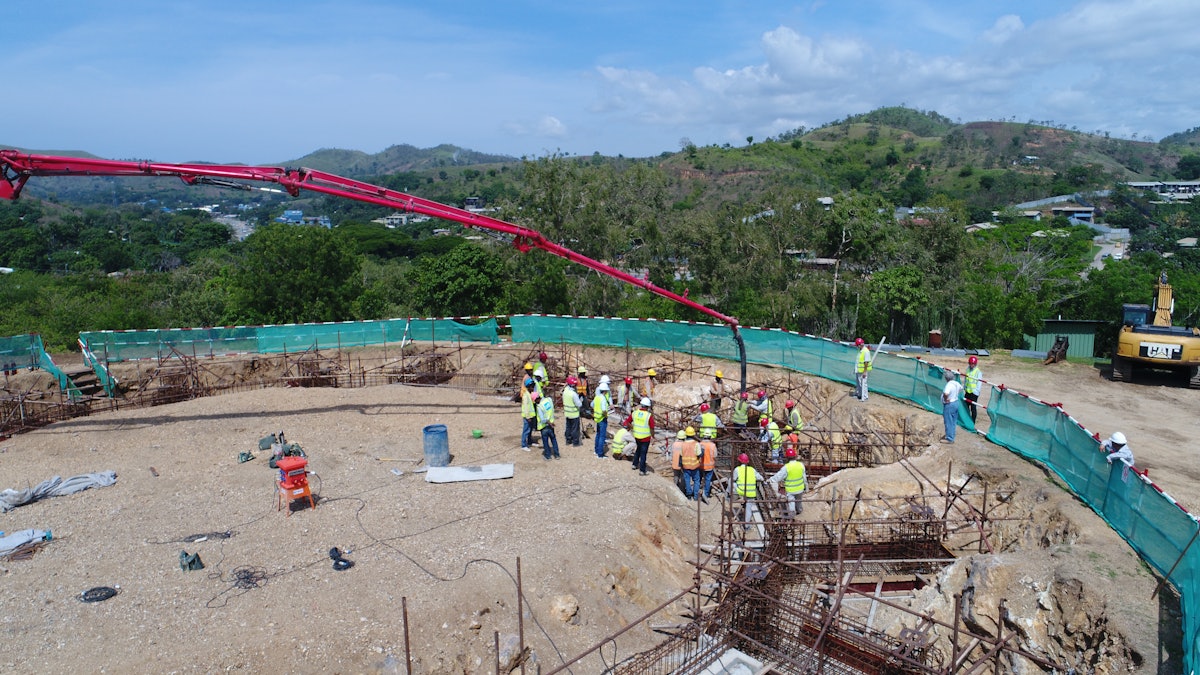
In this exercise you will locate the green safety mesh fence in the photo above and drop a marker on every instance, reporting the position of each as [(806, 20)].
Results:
[(905, 378), (20, 351), (27, 351), (112, 346), (1153, 524)]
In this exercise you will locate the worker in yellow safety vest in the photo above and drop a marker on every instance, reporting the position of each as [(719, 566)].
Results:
[(740, 416), (745, 485), (539, 369), (571, 405), (528, 413), (795, 420), (709, 422), (790, 482), (973, 384), (862, 368), (600, 407), (643, 433), (771, 435), (623, 445), (545, 424)]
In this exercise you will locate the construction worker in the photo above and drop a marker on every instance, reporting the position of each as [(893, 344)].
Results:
[(529, 374), (794, 419), (950, 403), (972, 386), (689, 459), (766, 410), (789, 480), (601, 404), (741, 412), (625, 396), (745, 485), (571, 405), (1117, 447), (648, 386), (643, 433), (676, 465), (862, 368), (581, 384), (539, 368), (528, 412), (791, 439), (708, 465), (771, 436), (716, 391), (545, 424), (623, 444), (708, 421)]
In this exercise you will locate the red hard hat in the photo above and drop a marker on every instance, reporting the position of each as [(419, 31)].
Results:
[(745, 394), (763, 422), (789, 403), (542, 356), (743, 458), (762, 393), (973, 360), (790, 453), (628, 380), (572, 381), (858, 342), (703, 407)]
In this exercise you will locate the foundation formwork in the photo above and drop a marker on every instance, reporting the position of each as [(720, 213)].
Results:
[(822, 596)]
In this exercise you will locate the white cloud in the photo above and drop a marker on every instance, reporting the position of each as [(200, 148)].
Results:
[(1004, 29), (551, 126)]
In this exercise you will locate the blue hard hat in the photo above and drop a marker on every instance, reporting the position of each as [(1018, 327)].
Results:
[(528, 381)]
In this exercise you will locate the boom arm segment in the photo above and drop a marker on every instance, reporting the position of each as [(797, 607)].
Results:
[(16, 168)]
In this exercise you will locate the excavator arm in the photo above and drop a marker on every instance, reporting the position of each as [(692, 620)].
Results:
[(17, 168)]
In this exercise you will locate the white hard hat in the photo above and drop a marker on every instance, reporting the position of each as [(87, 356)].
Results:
[(603, 387), (1117, 438), (604, 379), (645, 402)]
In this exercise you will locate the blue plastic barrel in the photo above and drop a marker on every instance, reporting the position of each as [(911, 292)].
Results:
[(437, 447)]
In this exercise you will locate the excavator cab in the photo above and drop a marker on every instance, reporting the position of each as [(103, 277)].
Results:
[(1135, 315)]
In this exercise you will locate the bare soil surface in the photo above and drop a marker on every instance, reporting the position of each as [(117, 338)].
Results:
[(599, 545)]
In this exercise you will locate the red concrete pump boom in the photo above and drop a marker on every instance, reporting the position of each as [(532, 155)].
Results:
[(16, 168)]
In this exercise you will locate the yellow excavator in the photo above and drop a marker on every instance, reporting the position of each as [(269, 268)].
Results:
[(1148, 339)]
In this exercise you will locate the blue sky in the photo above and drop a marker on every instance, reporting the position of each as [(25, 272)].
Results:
[(264, 82)]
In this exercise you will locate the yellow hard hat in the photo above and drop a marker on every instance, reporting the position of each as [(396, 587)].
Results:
[(528, 366), (651, 372), (720, 374), (689, 431)]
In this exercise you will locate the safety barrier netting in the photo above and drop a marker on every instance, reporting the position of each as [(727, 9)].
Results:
[(27, 351), (1157, 527), (901, 377), (20, 351), (129, 345)]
